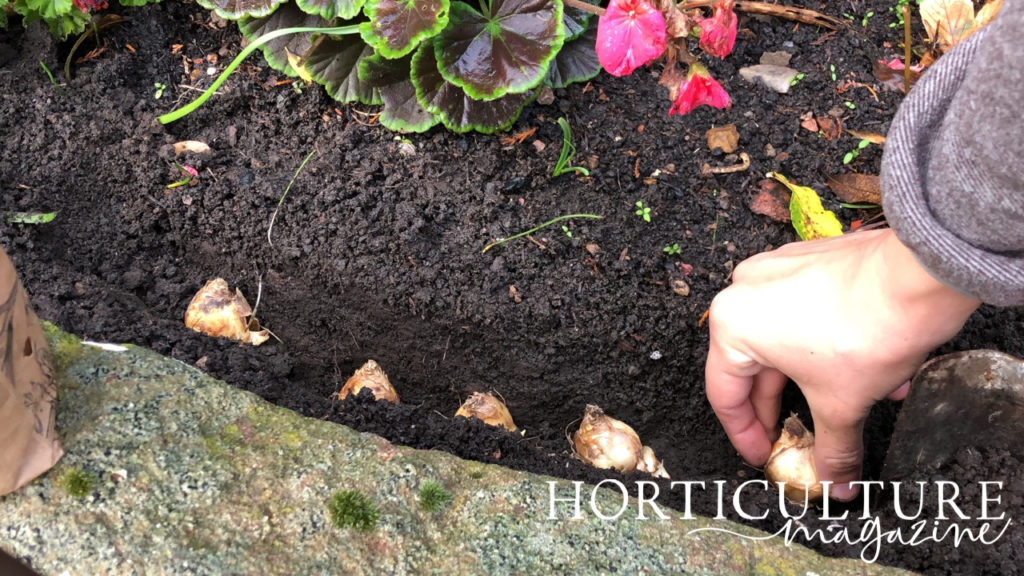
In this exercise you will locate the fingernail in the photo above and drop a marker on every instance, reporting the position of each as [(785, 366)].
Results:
[(844, 491)]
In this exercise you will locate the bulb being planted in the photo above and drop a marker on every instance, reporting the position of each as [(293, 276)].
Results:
[(486, 407), (604, 442), (792, 462), (371, 376), (217, 311)]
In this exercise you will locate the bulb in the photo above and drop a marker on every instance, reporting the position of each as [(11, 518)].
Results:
[(371, 376), (216, 311), (792, 462), (604, 442), (486, 407)]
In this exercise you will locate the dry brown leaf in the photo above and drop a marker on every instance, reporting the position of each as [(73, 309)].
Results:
[(856, 188), (191, 146), (869, 136), (830, 128), (771, 200), (724, 137), (987, 13), (947, 22), (518, 137), (807, 122), (217, 311)]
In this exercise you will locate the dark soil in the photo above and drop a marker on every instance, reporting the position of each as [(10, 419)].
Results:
[(377, 254)]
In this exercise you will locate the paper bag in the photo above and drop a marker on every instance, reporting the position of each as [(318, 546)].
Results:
[(28, 438)]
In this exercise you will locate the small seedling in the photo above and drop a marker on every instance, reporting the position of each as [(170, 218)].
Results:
[(29, 217), (898, 11), (280, 200), (832, 69), (672, 249), (643, 211), (850, 105), (853, 154), (160, 87), (864, 21), (433, 497), (567, 231), (796, 79), (353, 509), (49, 75), (568, 152), (190, 176)]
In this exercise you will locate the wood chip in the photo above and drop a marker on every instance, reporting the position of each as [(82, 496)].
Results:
[(856, 188), (724, 137)]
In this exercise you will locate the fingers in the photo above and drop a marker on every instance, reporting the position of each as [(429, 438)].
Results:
[(730, 382), (900, 393), (839, 450), (767, 399)]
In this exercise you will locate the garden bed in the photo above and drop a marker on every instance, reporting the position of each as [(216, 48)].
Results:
[(376, 251)]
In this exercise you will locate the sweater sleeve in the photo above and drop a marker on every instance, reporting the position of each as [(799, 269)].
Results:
[(953, 168)]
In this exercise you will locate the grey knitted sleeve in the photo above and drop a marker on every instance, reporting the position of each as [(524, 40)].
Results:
[(953, 169)]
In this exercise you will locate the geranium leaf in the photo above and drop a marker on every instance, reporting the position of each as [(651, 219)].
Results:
[(334, 62), (398, 26), (329, 9), (810, 219), (61, 16), (575, 21), (505, 50), (576, 61), (287, 16), (402, 111), (458, 111), (235, 9)]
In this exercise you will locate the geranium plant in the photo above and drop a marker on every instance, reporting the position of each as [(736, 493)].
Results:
[(475, 66), (63, 17)]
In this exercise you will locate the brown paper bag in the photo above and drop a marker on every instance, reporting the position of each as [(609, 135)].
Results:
[(28, 438)]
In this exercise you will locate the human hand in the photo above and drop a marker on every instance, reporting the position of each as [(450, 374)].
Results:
[(849, 319)]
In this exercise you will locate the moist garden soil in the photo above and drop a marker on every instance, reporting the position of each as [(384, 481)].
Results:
[(376, 250)]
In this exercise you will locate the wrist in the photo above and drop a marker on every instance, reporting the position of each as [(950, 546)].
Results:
[(917, 292)]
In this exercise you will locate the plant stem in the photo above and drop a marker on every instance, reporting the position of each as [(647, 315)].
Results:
[(256, 44), (534, 229), (281, 200)]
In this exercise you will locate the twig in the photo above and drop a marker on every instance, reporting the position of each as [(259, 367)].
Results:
[(281, 201), (906, 48)]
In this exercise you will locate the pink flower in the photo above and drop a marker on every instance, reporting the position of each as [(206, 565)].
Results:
[(718, 33), (699, 89), (630, 34), (87, 6)]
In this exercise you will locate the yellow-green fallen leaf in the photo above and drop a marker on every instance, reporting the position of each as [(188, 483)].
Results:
[(295, 61), (810, 219), (30, 217)]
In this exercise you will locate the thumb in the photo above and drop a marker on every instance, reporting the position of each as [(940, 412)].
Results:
[(839, 452)]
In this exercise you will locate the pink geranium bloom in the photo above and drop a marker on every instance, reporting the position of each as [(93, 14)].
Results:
[(699, 89), (718, 33), (630, 34), (88, 6)]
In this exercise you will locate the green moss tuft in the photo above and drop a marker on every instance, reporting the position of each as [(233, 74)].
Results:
[(433, 496), (64, 347), (353, 509), (77, 483)]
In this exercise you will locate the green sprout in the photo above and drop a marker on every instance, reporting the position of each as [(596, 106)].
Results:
[(796, 79), (77, 483), (672, 249), (864, 21), (433, 497), (353, 509), (832, 69), (643, 211), (566, 230), (189, 173), (535, 228), (29, 217), (850, 105), (49, 75), (853, 154), (160, 87), (898, 11), (568, 152)]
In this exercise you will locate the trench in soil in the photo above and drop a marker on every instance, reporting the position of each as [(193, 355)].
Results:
[(376, 254)]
